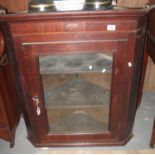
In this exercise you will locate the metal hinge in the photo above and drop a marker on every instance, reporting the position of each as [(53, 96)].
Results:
[(4, 60)]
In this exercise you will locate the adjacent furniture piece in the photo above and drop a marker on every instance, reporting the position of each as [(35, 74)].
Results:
[(150, 43), (150, 47), (10, 109), (80, 74), (152, 143)]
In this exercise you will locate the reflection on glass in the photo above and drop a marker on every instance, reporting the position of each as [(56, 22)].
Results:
[(77, 90)]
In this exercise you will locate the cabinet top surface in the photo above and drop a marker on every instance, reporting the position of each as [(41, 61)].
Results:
[(118, 13)]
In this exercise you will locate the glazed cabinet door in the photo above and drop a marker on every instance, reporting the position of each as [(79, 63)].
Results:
[(73, 91)]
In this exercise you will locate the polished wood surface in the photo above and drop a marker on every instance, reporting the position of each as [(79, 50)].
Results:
[(19, 5), (79, 32)]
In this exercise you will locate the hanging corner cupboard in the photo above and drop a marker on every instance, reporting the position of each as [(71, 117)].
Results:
[(80, 74)]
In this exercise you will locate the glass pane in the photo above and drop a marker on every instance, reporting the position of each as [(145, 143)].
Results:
[(77, 89)]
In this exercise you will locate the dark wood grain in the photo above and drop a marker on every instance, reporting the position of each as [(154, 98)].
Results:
[(60, 33)]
